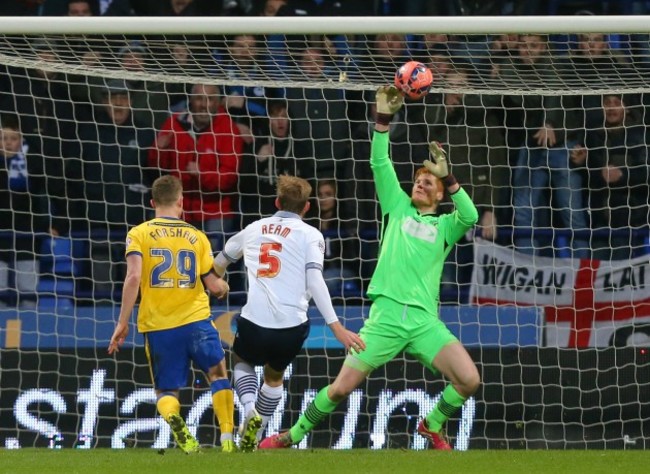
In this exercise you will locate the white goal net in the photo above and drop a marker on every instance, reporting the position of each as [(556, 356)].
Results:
[(544, 120)]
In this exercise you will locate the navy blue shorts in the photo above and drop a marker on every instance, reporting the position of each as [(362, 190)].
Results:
[(275, 347), (170, 351)]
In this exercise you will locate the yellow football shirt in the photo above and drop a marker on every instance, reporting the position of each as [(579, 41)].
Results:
[(174, 257)]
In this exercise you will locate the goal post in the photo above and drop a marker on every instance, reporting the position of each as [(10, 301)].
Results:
[(544, 122)]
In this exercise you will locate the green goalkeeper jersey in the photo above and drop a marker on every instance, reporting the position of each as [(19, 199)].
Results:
[(413, 246)]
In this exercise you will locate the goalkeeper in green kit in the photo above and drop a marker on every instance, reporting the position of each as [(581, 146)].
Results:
[(405, 288)]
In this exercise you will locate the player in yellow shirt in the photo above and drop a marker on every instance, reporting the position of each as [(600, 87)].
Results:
[(170, 263)]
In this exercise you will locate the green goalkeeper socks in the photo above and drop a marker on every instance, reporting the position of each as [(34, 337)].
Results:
[(314, 414), (449, 403)]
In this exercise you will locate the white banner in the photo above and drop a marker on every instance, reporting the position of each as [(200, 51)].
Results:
[(587, 303), (623, 281), (504, 276)]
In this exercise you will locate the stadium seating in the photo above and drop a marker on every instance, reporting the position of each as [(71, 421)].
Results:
[(56, 287)]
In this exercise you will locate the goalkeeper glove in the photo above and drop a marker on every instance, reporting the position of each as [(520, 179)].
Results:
[(439, 167), (389, 100)]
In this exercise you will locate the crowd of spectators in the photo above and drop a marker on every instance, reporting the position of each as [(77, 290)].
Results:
[(80, 152)]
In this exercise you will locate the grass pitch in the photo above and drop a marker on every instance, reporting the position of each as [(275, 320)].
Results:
[(317, 461)]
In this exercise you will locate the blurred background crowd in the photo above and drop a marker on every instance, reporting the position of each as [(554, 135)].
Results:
[(554, 175)]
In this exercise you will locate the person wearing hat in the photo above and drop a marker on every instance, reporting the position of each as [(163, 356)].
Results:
[(149, 99)]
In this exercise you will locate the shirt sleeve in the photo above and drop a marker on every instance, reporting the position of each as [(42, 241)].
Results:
[(389, 191), (205, 262), (234, 248), (463, 218), (318, 289), (133, 244), (315, 251)]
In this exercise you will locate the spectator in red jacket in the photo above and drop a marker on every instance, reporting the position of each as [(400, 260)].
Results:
[(202, 147)]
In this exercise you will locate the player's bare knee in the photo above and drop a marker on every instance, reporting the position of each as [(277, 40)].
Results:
[(272, 377), (474, 383), (339, 390), (470, 382), (218, 371)]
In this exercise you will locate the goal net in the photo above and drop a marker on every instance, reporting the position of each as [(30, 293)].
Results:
[(544, 123)]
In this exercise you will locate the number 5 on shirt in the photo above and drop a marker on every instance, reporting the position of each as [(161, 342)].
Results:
[(270, 264)]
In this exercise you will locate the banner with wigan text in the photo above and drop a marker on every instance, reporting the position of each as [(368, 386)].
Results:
[(587, 303)]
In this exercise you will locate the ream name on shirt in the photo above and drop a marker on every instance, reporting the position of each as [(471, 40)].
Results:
[(276, 229)]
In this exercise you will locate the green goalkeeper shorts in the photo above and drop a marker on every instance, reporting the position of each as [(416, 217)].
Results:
[(394, 327)]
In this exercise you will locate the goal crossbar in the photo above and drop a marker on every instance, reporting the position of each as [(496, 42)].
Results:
[(327, 25)]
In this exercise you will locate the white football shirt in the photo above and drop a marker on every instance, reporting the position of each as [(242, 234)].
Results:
[(277, 252)]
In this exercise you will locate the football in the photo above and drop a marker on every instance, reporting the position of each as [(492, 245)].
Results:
[(413, 79)]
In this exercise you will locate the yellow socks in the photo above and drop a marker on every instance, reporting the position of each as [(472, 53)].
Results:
[(167, 404), (224, 407)]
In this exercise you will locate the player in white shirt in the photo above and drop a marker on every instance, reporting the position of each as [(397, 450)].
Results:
[(284, 262)]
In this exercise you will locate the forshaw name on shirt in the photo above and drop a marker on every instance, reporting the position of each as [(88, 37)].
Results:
[(172, 232)]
